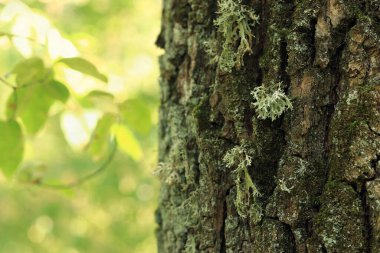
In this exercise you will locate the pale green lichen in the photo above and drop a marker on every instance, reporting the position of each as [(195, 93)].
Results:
[(270, 102), (302, 167), (211, 48), (167, 174), (234, 24), (191, 246), (284, 187), (247, 194)]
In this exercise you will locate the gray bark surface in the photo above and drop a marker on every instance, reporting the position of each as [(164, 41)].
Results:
[(316, 167)]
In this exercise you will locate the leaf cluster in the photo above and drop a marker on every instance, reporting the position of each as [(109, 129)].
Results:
[(33, 94)]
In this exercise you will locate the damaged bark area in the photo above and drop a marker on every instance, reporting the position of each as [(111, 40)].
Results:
[(316, 168)]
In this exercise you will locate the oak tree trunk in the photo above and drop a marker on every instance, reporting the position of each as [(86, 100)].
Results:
[(316, 167)]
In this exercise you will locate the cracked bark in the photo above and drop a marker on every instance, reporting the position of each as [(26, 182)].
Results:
[(325, 151)]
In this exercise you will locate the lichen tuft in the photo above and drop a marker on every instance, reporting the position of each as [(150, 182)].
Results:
[(234, 24), (271, 101), (247, 194)]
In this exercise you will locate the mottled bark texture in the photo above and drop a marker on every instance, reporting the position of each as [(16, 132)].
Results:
[(317, 167)]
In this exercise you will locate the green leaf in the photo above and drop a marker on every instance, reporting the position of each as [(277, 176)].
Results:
[(136, 114), (100, 94), (11, 146), (83, 66), (100, 139), (32, 103), (57, 90), (30, 71), (101, 100), (127, 142)]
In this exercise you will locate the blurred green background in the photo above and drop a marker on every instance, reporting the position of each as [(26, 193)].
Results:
[(113, 212)]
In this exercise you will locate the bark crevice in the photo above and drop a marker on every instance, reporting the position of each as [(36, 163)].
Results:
[(366, 218), (223, 248)]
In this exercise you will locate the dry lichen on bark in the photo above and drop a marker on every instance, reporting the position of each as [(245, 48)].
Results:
[(316, 166)]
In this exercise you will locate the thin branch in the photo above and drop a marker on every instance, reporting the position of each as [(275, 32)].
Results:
[(86, 178), (11, 35), (6, 83)]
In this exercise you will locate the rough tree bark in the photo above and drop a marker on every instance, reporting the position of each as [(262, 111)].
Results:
[(316, 167)]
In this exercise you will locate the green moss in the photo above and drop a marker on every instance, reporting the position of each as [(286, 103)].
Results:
[(354, 144), (339, 223), (300, 38), (201, 113)]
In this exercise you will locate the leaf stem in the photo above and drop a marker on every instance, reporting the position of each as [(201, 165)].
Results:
[(87, 177), (11, 35), (6, 83)]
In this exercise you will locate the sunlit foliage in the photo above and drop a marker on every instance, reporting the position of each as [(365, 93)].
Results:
[(75, 75)]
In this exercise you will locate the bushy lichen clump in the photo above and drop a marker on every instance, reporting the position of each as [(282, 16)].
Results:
[(167, 174), (270, 102), (234, 24), (246, 201)]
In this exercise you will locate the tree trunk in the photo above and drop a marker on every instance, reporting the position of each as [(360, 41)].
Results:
[(315, 169)]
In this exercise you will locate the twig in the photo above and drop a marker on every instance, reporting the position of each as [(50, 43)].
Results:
[(6, 83), (11, 35), (91, 175)]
